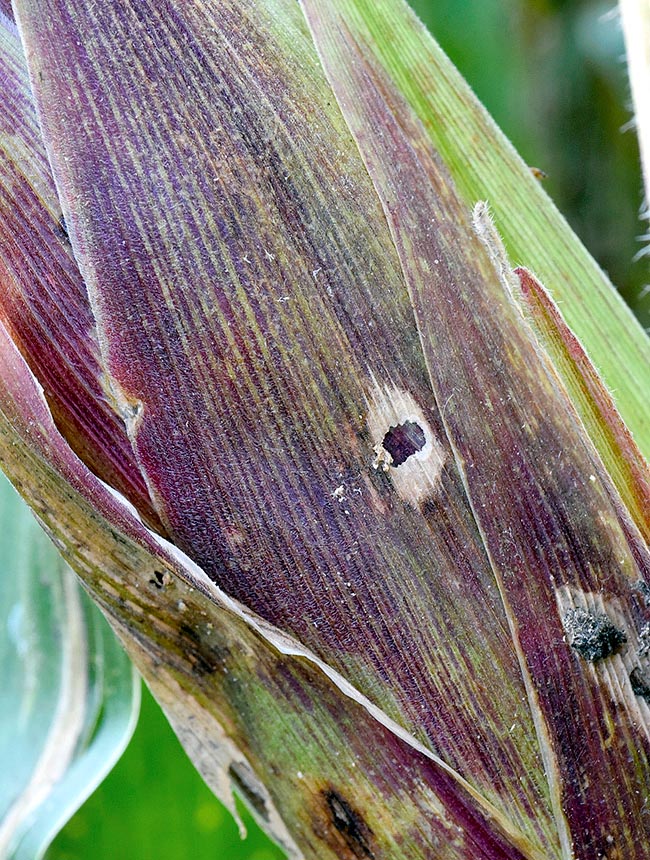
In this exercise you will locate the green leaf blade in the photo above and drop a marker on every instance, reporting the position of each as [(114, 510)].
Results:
[(592, 400), (71, 697)]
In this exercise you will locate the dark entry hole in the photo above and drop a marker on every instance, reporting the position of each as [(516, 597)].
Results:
[(63, 229), (404, 440)]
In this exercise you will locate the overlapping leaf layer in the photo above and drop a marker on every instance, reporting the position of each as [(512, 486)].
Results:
[(335, 408)]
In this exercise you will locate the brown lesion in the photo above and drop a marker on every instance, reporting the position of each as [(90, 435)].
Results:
[(342, 827), (204, 658)]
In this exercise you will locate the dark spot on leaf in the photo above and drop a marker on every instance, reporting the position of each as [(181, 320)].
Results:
[(350, 824), (592, 634), (62, 229), (118, 538), (245, 785), (404, 440), (159, 579), (194, 648), (640, 684)]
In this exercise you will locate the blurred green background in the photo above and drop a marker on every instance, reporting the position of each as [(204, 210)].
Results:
[(552, 74), (154, 806)]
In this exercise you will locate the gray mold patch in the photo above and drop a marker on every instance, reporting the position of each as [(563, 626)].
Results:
[(592, 634), (613, 651)]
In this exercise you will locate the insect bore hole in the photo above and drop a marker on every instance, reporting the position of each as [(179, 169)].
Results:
[(404, 440)]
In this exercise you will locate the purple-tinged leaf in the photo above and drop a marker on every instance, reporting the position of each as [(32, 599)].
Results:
[(252, 707), (43, 300), (346, 421), (562, 546), (257, 330)]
